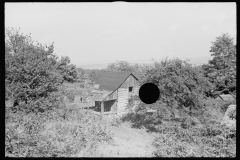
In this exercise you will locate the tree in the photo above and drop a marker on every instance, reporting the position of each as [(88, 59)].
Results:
[(81, 74), (181, 85), (221, 70), (67, 70), (30, 69), (120, 66)]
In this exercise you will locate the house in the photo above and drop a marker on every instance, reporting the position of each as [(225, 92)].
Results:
[(116, 88)]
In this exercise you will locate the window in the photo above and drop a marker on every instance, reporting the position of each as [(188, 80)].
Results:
[(130, 89)]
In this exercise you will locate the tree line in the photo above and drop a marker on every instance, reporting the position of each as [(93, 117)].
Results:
[(33, 71)]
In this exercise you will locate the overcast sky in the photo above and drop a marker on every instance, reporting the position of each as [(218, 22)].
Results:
[(100, 33)]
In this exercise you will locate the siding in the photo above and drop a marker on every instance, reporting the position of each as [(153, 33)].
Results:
[(121, 95), (136, 90), (122, 99)]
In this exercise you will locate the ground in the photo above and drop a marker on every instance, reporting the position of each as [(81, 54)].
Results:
[(128, 142)]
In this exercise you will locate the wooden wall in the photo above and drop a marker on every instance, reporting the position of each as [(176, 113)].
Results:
[(122, 100), (136, 90), (123, 93), (118, 100)]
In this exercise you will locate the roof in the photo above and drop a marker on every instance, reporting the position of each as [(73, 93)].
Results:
[(226, 97), (111, 80), (100, 95)]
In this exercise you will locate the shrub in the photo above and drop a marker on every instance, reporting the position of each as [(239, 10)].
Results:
[(71, 97), (168, 147), (189, 122), (48, 134), (209, 141), (82, 85), (30, 68), (181, 84)]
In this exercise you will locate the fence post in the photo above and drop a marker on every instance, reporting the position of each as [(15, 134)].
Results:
[(102, 108)]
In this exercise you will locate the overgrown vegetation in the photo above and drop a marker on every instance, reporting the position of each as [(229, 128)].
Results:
[(38, 122), (32, 70), (212, 140), (63, 132), (187, 119), (221, 70)]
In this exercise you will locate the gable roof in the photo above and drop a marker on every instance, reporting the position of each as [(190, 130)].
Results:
[(111, 80)]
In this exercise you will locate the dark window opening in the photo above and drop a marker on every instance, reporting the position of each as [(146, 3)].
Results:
[(130, 89)]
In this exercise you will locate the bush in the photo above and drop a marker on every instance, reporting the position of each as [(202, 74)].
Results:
[(48, 134), (181, 84), (32, 70), (189, 122), (82, 85), (168, 147), (208, 141), (71, 97), (182, 88), (213, 110)]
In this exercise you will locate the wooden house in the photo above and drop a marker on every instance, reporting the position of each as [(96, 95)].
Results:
[(118, 87)]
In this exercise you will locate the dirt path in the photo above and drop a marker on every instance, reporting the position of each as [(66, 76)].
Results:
[(128, 142)]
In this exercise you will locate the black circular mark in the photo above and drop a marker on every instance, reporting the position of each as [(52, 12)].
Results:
[(149, 93)]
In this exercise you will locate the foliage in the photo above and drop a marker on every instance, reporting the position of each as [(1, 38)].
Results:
[(131, 101), (70, 96), (33, 71), (49, 134), (181, 85), (30, 70), (214, 110), (199, 135), (81, 74), (142, 118), (67, 70), (207, 141), (93, 75), (115, 121), (221, 70)]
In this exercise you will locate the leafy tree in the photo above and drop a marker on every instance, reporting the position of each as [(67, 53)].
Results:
[(181, 85), (221, 70), (81, 74), (67, 70), (30, 69)]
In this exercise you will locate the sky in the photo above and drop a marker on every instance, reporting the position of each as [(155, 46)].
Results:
[(96, 34)]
